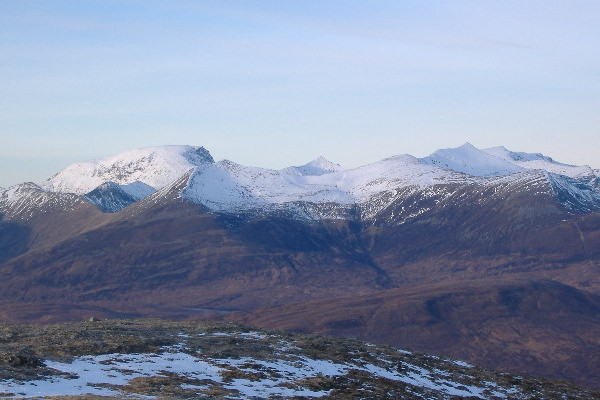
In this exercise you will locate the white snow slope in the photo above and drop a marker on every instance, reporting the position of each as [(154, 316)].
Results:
[(319, 166), (539, 161), (229, 187), (153, 166), (472, 161)]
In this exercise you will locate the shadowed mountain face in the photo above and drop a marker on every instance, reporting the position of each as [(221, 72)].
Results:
[(13, 239), (500, 270)]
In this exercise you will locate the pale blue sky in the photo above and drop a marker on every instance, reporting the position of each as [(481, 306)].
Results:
[(278, 83)]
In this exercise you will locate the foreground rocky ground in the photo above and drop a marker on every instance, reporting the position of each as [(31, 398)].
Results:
[(193, 360)]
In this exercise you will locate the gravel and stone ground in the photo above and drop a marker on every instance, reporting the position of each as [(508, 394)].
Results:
[(128, 359)]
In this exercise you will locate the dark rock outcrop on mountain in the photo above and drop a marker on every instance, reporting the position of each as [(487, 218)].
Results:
[(110, 197)]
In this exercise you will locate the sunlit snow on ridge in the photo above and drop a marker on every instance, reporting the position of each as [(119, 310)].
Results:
[(539, 161), (154, 166), (472, 161), (318, 189), (319, 166)]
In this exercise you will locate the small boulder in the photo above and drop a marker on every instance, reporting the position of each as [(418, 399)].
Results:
[(23, 358)]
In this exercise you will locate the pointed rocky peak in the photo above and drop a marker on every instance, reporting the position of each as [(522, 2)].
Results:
[(199, 156), (470, 160), (153, 166), (172, 194), (317, 167), (20, 190), (109, 197), (324, 163), (26, 200)]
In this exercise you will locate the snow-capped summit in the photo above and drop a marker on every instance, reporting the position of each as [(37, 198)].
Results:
[(16, 192), (153, 166), (470, 160), (317, 167), (540, 161)]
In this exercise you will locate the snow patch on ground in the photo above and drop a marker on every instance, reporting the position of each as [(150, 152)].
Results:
[(109, 374)]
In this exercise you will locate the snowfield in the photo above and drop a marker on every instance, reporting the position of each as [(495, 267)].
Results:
[(154, 166)]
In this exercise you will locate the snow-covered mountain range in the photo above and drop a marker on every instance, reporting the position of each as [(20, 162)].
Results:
[(115, 182), (411, 238)]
